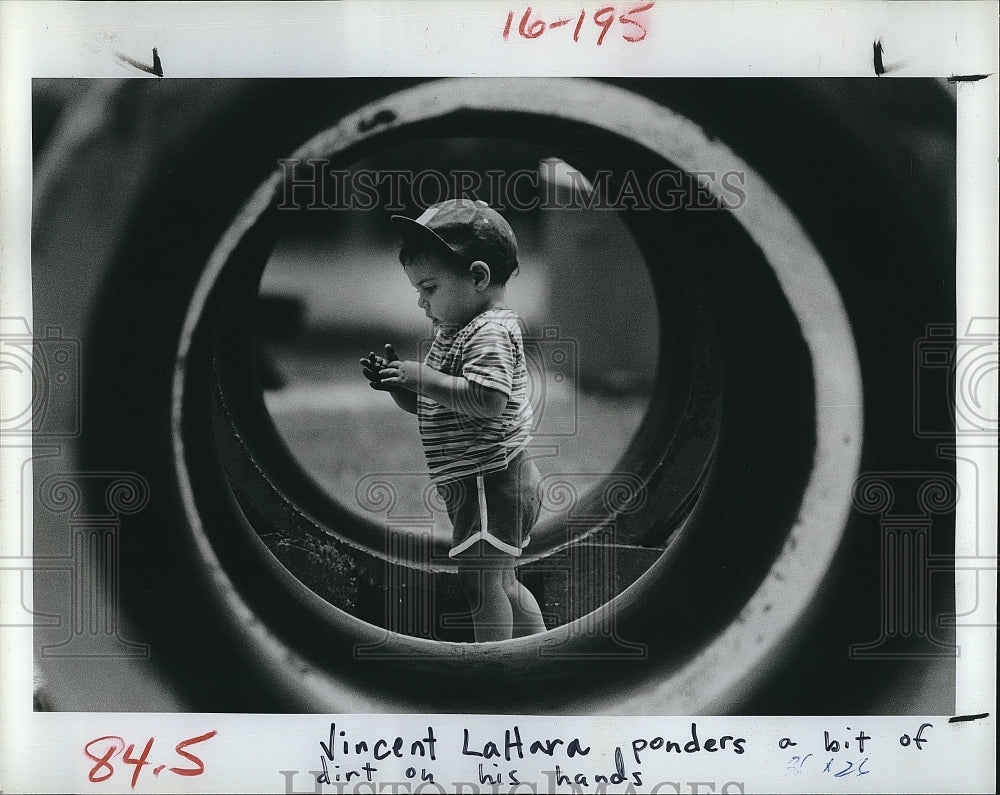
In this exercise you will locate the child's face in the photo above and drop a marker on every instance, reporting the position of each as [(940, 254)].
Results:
[(446, 294)]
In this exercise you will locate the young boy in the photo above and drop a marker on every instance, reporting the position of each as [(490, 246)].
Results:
[(470, 398)]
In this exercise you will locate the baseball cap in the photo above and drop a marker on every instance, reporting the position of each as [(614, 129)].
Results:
[(467, 227)]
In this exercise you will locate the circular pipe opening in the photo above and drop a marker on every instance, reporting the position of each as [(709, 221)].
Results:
[(588, 506), (798, 321), (332, 290)]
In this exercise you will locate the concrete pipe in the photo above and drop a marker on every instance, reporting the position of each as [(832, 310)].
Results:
[(776, 371)]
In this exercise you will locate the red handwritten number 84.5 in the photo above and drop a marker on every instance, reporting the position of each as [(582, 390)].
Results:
[(604, 18), (114, 745)]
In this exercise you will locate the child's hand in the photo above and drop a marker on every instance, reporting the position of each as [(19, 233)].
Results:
[(400, 374), (372, 366)]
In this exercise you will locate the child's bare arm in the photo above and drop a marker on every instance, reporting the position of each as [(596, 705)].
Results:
[(455, 392), (371, 367), (407, 401)]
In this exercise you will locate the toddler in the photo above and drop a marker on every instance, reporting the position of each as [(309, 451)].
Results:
[(470, 398)]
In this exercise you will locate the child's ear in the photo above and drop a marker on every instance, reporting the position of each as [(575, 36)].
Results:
[(481, 275)]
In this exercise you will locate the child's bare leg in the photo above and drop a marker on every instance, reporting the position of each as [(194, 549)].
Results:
[(481, 572), (527, 615)]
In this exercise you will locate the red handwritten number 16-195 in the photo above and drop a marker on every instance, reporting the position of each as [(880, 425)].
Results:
[(111, 745), (633, 30)]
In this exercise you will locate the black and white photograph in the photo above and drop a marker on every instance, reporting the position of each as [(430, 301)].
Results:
[(486, 394)]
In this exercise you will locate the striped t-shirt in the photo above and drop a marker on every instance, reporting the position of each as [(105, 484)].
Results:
[(488, 351)]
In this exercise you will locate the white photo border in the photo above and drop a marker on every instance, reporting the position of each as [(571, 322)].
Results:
[(43, 752)]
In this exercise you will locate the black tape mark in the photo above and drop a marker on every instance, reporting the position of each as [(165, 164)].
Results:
[(966, 78), (877, 60), (963, 718), (155, 69)]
